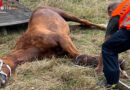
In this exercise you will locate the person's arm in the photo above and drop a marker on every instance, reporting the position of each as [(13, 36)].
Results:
[(112, 27)]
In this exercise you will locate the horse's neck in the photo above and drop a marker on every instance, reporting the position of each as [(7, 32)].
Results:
[(18, 56), (24, 55), (12, 61)]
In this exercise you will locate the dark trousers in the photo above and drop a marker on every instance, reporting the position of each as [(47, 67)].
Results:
[(119, 42)]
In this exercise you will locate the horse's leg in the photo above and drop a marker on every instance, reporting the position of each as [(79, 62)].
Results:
[(87, 23), (69, 17), (67, 45)]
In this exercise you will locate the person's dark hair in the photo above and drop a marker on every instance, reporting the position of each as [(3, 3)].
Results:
[(112, 7)]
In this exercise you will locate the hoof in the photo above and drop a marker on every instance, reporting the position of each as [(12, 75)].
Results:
[(87, 60), (81, 59)]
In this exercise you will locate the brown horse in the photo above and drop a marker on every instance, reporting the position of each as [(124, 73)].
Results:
[(47, 35)]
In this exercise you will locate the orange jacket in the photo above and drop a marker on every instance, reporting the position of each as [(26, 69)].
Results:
[(123, 10)]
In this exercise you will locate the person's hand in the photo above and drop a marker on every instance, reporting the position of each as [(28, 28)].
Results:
[(99, 68), (124, 74)]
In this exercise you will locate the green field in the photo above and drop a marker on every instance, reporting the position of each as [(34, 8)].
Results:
[(61, 73)]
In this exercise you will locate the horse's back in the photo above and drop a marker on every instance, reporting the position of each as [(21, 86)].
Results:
[(47, 19)]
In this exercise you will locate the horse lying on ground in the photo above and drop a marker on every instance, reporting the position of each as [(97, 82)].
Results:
[(47, 36)]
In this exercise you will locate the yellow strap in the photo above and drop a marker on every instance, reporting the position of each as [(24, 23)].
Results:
[(114, 85)]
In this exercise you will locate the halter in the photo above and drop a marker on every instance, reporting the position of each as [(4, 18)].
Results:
[(1, 64)]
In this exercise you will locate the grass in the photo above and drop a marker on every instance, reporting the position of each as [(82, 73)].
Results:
[(81, 8), (61, 73)]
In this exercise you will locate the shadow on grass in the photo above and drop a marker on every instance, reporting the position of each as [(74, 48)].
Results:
[(5, 30)]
